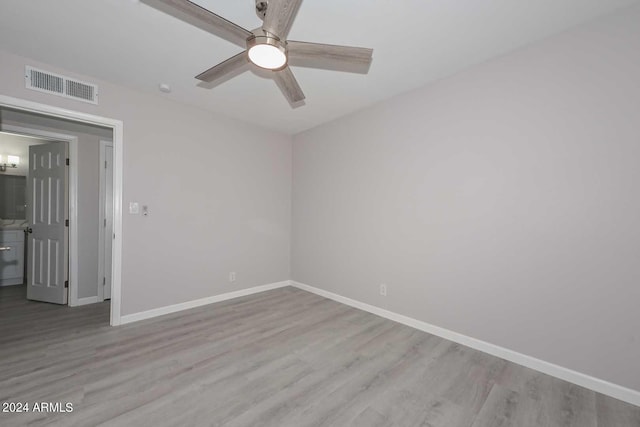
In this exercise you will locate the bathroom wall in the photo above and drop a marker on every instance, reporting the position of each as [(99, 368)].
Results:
[(16, 145), (12, 201)]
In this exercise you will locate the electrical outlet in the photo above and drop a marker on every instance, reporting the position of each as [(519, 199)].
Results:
[(383, 290), (232, 276)]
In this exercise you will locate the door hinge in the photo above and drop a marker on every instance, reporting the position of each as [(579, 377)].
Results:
[(66, 222), (66, 283), (105, 164), (67, 162), (104, 281), (105, 222)]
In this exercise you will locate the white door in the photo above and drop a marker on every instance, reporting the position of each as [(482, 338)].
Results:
[(46, 214), (108, 216)]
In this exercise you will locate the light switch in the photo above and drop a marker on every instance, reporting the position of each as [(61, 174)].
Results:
[(134, 208)]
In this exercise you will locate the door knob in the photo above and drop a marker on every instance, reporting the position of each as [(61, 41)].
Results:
[(5, 248), (29, 230)]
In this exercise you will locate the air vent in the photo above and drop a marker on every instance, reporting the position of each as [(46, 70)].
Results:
[(56, 84)]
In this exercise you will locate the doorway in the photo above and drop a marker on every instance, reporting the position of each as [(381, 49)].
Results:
[(64, 255), (115, 127), (19, 215)]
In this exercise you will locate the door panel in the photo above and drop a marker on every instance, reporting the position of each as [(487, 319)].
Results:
[(46, 216)]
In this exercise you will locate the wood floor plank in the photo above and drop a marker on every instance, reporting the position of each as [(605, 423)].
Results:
[(280, 358), (370, 418), (612, 412)]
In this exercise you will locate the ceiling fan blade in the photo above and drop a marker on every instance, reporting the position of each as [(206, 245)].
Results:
[(202, 18), (225, 70), (280, 16), (288, 84), (329, 57)]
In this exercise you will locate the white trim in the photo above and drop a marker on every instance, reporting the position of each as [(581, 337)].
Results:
[(129, 318), (118, 148), (73, 222), (101, 200), (101, 218), (72, 201), (87, 300), (587, 381)]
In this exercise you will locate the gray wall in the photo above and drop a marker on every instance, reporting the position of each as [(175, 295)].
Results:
[(501, 203), (88, 187), (218, 191)]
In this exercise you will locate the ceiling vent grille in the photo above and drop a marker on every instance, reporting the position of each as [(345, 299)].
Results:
[(56, 84)]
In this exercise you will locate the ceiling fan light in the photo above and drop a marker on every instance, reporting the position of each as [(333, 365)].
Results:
[(267, 56), (267, 52)]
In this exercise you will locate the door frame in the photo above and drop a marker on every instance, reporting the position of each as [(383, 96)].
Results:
[(118, 148), (101, 218)]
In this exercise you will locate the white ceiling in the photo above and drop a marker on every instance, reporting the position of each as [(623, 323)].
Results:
[(415, 42)]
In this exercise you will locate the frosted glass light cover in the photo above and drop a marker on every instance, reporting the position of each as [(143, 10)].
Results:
[(267, 56), (13, 160)]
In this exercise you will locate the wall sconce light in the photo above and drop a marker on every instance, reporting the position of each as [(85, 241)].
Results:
[(12, 162)]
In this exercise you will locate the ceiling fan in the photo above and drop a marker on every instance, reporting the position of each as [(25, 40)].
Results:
[(267, 47)]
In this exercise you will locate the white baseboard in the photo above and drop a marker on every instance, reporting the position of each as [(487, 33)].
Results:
[(129, 318), (85, 301), (587, 381)]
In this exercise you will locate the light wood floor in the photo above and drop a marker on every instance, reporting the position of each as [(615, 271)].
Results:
[(281, 358)]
